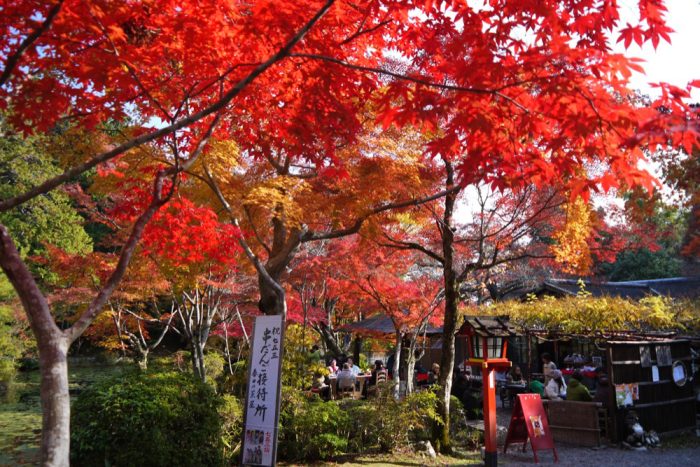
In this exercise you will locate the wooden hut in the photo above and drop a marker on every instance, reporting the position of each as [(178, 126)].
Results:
[(659, 371)]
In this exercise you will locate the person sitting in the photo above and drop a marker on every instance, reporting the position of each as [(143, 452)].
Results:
[(333, 367), (577, 391), (379, 375), (555, 389), (319, 386), (473, 400), (460, 387), (515, 376), (536, 387), (315, 354), (602, 392), (354, 368), (346, 379), (434, 374), (378, 368)]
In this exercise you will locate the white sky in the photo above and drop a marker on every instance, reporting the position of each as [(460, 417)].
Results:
[(676, 63)]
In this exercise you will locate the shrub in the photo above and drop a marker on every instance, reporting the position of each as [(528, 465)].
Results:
[(155, 419), (231, 414), (213, 367), (386, 424), (312, 429)]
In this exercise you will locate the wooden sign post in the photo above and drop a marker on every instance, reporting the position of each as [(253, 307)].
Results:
[(261, 413), (529, 421)]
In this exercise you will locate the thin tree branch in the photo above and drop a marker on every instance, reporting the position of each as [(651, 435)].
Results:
[(14, 59), (449, 87), (312, 236)]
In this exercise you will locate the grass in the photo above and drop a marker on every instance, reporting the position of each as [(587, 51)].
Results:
[(408, 458)]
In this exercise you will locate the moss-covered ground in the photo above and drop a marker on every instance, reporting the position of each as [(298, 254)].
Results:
[(20, 412)]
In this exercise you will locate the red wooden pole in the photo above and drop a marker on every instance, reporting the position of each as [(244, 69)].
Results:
[(490, 442)]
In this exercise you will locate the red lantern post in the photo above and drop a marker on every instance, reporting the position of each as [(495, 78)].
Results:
[(488, 345)]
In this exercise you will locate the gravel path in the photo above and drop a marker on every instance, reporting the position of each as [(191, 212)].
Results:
[(584, 457), (581, 457)]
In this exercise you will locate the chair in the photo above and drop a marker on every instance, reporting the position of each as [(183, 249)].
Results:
[(346, 392), (382, 376)]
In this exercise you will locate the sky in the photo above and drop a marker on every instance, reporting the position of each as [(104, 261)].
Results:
[(676, 63)]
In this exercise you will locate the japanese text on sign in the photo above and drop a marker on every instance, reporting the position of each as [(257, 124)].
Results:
[(263, 378)]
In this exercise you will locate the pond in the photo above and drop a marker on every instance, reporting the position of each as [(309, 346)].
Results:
[(20, 410)]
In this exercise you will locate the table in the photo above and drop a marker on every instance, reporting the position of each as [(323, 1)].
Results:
[(359, 387)]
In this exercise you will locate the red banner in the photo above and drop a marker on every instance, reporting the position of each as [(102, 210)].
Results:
[(529, 421)]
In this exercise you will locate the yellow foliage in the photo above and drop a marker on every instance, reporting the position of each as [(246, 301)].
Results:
[(588, 315), (572, 249), (280, 197)]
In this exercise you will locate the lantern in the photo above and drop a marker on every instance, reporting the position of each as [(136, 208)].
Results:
[(487, 340), (487, 346)]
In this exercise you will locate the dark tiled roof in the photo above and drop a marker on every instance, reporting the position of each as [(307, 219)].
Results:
[(488, 326), (677, 287), (379, 324)]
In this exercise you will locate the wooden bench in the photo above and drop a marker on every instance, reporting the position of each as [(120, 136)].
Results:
[(577, 423)]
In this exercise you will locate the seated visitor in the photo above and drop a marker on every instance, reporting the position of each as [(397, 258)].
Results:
[(378, 367), (315, 354), (536, 387), (460, 387), (319, 385), (577, 391), (515, 376), (473, 401), (346, 378), (434, 374), (422, 375), (354, 368), (602, 392), (555, 389), (333, 367)]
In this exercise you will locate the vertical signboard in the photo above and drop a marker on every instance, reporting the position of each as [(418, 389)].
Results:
[(263, 395)]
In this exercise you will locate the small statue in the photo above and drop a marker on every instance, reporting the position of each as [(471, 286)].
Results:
[(637, 438)]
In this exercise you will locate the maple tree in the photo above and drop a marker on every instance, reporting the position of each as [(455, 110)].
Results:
[(393, 284), (512, 92)]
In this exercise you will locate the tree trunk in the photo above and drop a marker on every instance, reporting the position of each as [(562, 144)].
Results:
[(55, 402), (198, 360), (142, 360), (356, 350), (410, 367), (442, 438), (397, 365), (447, 362)]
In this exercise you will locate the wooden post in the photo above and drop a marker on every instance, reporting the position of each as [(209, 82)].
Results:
[(490, 441)]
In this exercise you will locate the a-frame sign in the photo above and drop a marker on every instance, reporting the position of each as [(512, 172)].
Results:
[(529, 421)]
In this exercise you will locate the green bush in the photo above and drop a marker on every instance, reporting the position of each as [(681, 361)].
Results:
[(154, 419), (213, 367), (311, 429), (231, 414), (315, 430)]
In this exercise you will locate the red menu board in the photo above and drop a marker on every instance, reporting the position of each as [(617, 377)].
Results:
[(529, 421)]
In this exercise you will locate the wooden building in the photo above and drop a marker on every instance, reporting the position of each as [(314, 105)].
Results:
[(661, 370)]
